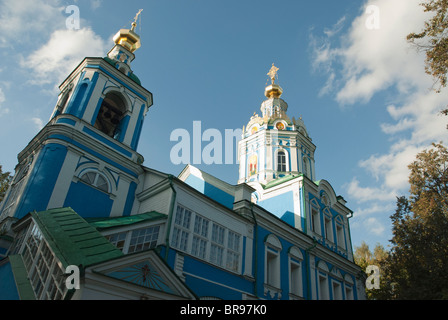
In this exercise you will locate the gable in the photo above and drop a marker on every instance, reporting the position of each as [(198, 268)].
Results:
[(144, 273)]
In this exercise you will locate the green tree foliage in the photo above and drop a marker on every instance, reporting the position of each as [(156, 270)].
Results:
[(434, 41), (417, 267), (5, 179), (364, 257)]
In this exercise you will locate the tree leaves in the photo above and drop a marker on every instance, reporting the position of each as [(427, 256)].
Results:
[(418, 261)]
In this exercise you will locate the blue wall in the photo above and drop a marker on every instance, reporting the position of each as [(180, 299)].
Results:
[(88, 201), (42, 179), (211, 191), (9, 289), (282, 206)]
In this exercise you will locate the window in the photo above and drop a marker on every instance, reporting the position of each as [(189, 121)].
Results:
[(348, 292), (305, 167), (200, 237), (337, 290), (118, 239), (272, 262), (340, 233), (272, 268), (143, 239), (348, 285), (96, 179), (111, 113), (281, 161), (217, 245), (135, 240), (295, 273), (315, 220), (206, 240), (44, 273), (323, 288), (233, 249), (328, 225), (181, 230)]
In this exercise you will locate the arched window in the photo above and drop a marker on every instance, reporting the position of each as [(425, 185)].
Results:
[(328, 225), (273, 248), (322, 281), (340, 233), (96, 179), (281, 161), (305, 169), (110, 115), (295, 272)]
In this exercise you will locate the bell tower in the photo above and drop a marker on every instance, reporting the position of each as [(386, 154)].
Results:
[(273, 145), (85, 157)]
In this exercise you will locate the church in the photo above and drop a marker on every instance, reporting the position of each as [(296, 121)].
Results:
[(84, 219)]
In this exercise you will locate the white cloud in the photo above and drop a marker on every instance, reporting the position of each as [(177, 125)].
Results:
[(39, 123), (374, 226), (52, 62), (367, 194), (370, 61), (22, 20), (3, 110), (95, 4)]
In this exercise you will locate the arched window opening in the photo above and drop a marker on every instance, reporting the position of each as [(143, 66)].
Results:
[(96, 179), (110, 115), (281, 161)]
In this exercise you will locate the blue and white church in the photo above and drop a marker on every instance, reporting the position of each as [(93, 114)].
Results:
[(84, 219)]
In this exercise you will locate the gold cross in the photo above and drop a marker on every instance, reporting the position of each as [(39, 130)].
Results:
[(134, 24), (273, 73), (138, 13)]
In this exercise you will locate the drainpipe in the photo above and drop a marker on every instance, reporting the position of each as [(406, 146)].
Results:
[(256, 249), (349, 233), (170, 216), (308, 269)]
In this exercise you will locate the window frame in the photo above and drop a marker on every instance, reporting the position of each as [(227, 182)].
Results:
[(281, 164), (125, 238), (213, 245)]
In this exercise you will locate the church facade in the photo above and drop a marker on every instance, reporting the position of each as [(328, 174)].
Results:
[(84, 219)]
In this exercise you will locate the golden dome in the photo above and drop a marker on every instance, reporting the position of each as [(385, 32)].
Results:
[(128, 38), (273, 91)]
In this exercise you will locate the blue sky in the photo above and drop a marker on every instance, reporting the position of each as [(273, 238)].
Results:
[(348, 71)]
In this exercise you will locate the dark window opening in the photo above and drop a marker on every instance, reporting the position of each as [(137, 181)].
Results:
[(110, 115)]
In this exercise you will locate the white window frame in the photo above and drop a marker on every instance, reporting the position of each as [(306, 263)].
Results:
[(349, 287), (215, 243), (44, 269), (286, 160), (336, 287), (295, 260), (323, 280), (94, 184), (315, 217), (340, 233), (273, 247), (328, 225)]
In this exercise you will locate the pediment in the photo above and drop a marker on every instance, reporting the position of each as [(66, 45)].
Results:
[(145, 273)]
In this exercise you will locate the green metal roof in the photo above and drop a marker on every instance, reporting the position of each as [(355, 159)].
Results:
[(116, 222), (72, 239), (278, 181), (23, 284)]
